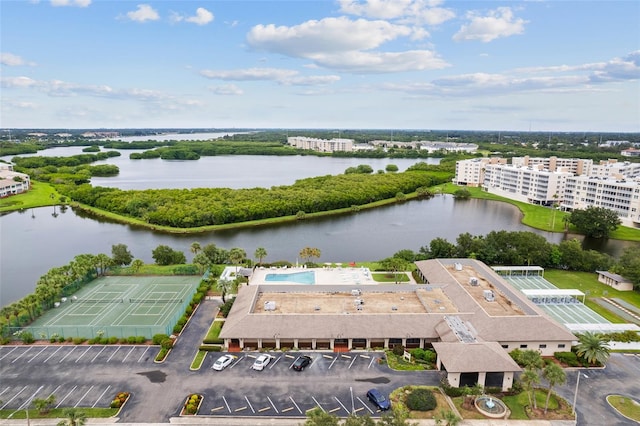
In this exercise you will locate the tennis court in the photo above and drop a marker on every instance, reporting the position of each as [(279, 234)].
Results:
[(120, 307)]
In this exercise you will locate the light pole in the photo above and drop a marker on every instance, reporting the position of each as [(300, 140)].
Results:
[(575, 396)]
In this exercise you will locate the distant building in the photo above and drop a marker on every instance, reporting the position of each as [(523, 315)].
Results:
[(432, 147), (630, 152), (534, 184), (12, 183), (321, 145), (614, 280), (576, 166), (471, 172)]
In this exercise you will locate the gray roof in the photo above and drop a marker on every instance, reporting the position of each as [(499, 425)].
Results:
[(472, 357), (616, 277)]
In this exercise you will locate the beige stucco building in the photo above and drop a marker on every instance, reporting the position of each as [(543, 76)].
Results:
[(465, 311)]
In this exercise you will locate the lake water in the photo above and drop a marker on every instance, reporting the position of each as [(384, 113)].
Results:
[(34, 241)]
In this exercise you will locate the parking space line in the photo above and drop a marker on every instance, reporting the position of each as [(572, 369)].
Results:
[(226, 403), (80, 400), (217, 408), (273, 405), (115, 352), (332, 362), (286, 410), (275, 362), (8, 353), (358, 410), (289, 356), (56, 351), (34, 357), (22, 354), (353, 360), (101, 395), (133, 348), (264, 409), (365, 356), (371, 362), (334, 410), (65, 397), (28, 401), (98, 354), (249, 404), (54, 391), (342, 405), (240, 409), (14, 397), (236, 363), (70, 352), (318, 404), (327, 356), (296, 405), (345, 356), (143, 353), (364, 405), (88, 349)]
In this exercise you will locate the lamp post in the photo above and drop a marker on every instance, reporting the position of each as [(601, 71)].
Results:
[(575, 396)]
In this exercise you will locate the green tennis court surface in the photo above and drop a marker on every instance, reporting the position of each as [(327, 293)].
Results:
[(120, 307)]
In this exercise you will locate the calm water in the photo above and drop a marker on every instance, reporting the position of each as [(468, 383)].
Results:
[(34, 241)]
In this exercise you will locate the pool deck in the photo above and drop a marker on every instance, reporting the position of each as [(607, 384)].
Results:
[(328, 275)]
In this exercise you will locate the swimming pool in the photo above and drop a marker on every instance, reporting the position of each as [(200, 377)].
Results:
[(306, 277)]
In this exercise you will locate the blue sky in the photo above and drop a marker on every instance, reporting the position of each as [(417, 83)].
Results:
[(344, 64)]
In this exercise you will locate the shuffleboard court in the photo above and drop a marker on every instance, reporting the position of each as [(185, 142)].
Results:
[(119, 307)]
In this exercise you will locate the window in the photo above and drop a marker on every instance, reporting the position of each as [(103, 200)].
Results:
[(523, 346), (542, 346), (505, 346), (561, 345)]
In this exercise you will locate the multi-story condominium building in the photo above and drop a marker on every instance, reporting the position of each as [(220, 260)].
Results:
[(471, 172), (613, 168), (535, 184), (576, 166), (619, 195), (630, 152), (447, 146), (11, 182), (321, 145)]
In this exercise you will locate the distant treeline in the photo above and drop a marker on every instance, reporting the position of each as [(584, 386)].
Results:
[(188, 208)]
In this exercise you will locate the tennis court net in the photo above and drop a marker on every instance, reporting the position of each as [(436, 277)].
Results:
[(155, 300), (97, 300)]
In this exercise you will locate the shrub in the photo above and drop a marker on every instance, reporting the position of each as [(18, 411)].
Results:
[(60, 339), (226, 307), (210, 348), (450, 390), (421, 400), (568, 358), (141, 339), (167, 343), (115, 403), (131, 339), (27, 337), (398, 350), (79, 340), (113, 340), (158, 338), (189, 310)]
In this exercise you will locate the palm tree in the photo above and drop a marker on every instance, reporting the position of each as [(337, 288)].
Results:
[(102, 263), (260, 254), (224, 286), (136, 265), (531, 359), (593, 348), (529, 378), (555, 375), (237, 255), (73, 417), (44, 405), (202, 260), (195, 247)]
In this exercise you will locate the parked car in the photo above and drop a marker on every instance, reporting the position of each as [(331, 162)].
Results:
[(222, 362), (301, 362), (261, 362), (378, 399)]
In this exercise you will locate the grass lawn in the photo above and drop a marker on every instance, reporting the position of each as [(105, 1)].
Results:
[(214, 331), (558, 408), (399, 396), (400, 277), (198, 360), (588, 283), (538, 217), (146, 269), (58, 413), (41, 194), (625, 406)]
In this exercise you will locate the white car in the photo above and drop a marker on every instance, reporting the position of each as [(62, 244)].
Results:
[(261, 362), (223, 362)]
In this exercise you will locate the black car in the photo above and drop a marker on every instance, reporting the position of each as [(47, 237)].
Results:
[(378, 399), (301, 362)]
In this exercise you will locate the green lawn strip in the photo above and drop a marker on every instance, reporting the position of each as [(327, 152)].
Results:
[(58, 413), (198, 360), (146, 269), (588, 282), (625, 406), (390, 278), (518, 403), (39, 195), (398, 363), (214, 331), (537, 216)]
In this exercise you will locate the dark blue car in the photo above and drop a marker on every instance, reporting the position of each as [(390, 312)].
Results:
[(380, 401)]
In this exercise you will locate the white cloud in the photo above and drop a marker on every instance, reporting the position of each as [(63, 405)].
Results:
[(10, 82), (279, 75), (144, 13), (498, 23), (202, 17), (416, 11), (227, 90), (345, 44), (324, 36), (79, 3), (11, 60)]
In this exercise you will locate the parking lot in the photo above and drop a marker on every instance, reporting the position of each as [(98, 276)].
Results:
[(74, 354)]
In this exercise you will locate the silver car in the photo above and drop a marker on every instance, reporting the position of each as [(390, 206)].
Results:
[(261, 362)]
